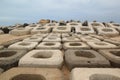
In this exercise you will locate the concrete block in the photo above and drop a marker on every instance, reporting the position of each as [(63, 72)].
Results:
[(51, 25), (96, 25), (61, 29), (49, 45), (86, 30), (95, 74), (65, 35), (70, 39), (1, 32), (31, 26), (42, 35), (42, 58), (33, 39), (20, 32), (55, 35), (1, 70), (32, 74), (107, 31), (23, 45), (102, 45), (75, 45), (10, 58), (85, 58), (113, 55), (98, 37), (112, 41), (89, 39), (40, 30), (74, 24), (52, 39)]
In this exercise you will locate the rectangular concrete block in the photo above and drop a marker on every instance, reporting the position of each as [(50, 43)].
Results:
[(32, 74), (70, 39), (33, 39), (42, 58), (85, 58), (95, 74), (89, 39), (113, 55), (40, 35), (10, 58), (52, 39)]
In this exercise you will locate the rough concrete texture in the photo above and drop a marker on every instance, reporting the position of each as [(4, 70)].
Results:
[(1, 70), (52, 39), (10, 58), (85, 58), (1, 32), (61, 29), (89, 39), (42, 58), (49, 45), (95, 74), (32, 74), (75, 45), (65, 35), (96, 25), (23, 45), (31, 26), (55, 35), (20, 32), (51, 25), (113, 55), (107, 31), (98, 37), (70, 39), (40, 30), (74, 24), (112, 41), (102, 45), (85, 30), (33, 39), (40, 35)]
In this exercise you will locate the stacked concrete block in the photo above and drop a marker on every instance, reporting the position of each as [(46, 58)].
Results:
[(85, 58), (49, 45), (42, 35), (85, 30), (31, 26), (101, 45), (10, 58), (65, 35), (98, 37), (107, 31), (1, 32), (113, 55), (33, 39), (51, 25), (23, 45), (89, 39), (42, 58), (52, 39), (95, 74), (75, 45), (55, 35), (96, 25), (20, 32), (113, 41), (61, 29), (114, 25), (32, 74), (70, 39), (40, 30), (73, 24)]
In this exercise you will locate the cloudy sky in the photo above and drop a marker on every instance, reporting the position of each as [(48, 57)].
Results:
[(21, 11)]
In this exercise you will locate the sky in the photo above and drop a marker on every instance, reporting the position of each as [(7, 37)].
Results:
[(31, 11)]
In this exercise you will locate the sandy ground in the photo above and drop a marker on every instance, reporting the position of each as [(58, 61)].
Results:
[(7, 37)]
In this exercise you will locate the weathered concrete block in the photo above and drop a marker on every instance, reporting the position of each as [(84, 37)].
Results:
[(31, 26), (85, 58), (89, 39), (61, 29), (85, 30), (113, 55), (70, 39), (23, 45), (95, 74), (10, 58), (112, 41), (102, 45), (49, 45), (40, 30), (42, 35), (20, 32), (33, 39), (75, 45), (51, 25), (107, 31), (54, 35), (96, 25), (65, 35), (52, 39), (42, 58), (32, 74)]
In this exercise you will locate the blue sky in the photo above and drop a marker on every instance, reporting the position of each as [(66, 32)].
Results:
[(21, 11)]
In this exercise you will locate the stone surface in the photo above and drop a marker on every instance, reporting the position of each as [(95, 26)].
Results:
[(33, 39), (49, 45), (42, 35), (102, 45), (95, 74), (32, 74), (23, 45), (113, 55), (75, 45), (42, 58), (10, 58), (70, 39), (85, 58), (52, 39), (89, 39)]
